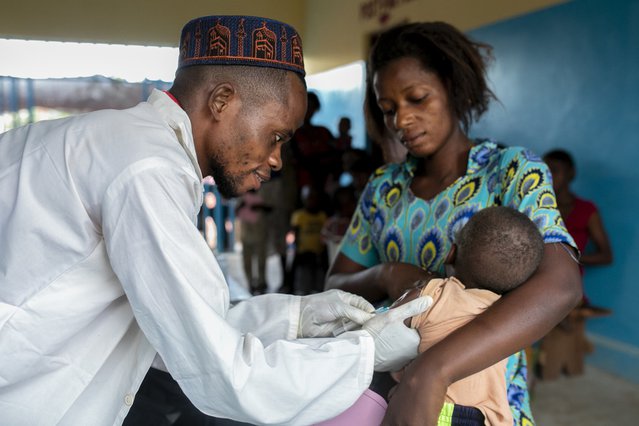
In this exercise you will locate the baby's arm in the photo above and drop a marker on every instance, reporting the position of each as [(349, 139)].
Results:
[(409, 295)]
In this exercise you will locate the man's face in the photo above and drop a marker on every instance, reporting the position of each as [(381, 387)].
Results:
[(245, 145)]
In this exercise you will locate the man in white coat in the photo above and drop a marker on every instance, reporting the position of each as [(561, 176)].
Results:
[(102, 267)]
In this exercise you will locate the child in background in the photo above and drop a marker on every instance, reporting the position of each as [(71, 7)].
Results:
[(344, 139), (309, 263), (497, 250), (335, 227)]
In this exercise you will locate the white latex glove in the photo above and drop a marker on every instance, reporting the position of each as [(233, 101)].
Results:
[(323, 313), (396, 344)]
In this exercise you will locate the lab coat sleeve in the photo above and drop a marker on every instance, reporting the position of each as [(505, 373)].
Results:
[(180, 301), (264, 317)]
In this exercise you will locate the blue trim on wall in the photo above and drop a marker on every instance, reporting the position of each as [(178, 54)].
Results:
[(566, 77)]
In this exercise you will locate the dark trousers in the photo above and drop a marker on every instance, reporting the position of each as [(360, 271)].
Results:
[(161, 402)]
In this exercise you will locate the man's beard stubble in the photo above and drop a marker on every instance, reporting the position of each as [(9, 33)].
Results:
[(227, 185)]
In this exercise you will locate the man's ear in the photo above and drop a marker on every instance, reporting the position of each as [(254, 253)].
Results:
[(220, 98)]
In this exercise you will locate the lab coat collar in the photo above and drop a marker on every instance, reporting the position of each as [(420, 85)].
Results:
[(179, 121)]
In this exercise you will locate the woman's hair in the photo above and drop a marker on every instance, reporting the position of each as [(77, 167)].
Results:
[(560, 155), (459, 62)]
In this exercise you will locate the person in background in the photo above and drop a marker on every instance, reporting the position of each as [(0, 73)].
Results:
[(360, 172), (350, 157), (98, 283), (336, 225), (313, 149), (581, 216), (339, 156), (282, 188), (344, 139), (310, 260), (252, 212), (563, 349), (429, 84)]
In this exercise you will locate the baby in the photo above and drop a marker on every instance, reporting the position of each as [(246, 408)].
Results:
[(497, 250)]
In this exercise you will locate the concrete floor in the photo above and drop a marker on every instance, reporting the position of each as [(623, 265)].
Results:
[(595, 398)]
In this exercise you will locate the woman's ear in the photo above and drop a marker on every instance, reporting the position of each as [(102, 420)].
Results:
[(220, 98)]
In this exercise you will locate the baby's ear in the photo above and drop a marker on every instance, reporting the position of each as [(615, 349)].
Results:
[(449, 263), (452, 255)]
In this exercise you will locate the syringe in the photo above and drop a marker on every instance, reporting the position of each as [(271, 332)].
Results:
[(349, 325)]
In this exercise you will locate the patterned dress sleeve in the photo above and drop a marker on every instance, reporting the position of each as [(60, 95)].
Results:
[(357, 243), (526, 185)]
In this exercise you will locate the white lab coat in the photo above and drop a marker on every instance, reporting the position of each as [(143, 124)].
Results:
[(102, 267)]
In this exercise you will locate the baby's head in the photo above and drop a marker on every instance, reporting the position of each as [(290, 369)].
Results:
[(498, 249)]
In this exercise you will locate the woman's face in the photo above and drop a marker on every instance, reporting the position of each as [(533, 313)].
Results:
[(415, 105)]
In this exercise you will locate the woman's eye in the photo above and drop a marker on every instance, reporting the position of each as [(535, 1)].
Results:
[(419, 99), (278, 138)]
